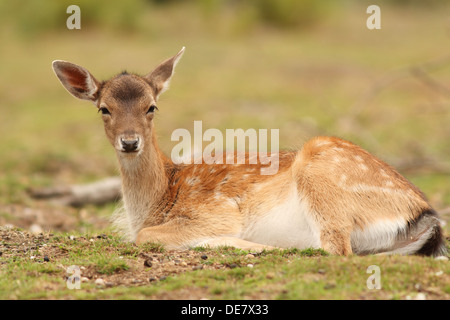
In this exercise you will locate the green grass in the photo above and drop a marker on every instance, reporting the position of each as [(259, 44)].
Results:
[(228, 273)]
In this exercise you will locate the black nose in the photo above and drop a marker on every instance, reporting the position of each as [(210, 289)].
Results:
[(129, 145)]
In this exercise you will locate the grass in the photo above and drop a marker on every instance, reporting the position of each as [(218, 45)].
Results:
[(227, 273), (333, 77)]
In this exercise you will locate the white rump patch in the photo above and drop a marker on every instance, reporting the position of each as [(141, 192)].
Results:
[(377, 237)]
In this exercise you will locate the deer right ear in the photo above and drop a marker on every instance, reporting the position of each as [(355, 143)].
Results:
[(160, 77), (77, 80)]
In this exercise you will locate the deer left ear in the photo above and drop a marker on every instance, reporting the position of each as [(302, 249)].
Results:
[(159, 78), (77, 80)]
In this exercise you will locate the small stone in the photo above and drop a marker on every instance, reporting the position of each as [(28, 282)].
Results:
[(270, 275), (197, 267), (35, 229), (249, 256), (162, 278), (441, 258), (321, 271), (204, 257), (100, 282), (32, 257), (250, 265), (439, 273), (420, 296), (46, 259), (148, 263), (72, 238), (84, 279), (233, 265), (183, 263)]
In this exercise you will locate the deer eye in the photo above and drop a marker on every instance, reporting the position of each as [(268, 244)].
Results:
[(103, 110), (152, 109)]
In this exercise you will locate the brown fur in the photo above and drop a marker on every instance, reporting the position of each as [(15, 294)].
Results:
[(342, 193)]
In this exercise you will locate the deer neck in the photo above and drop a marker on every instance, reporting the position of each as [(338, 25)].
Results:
[(144, 183)]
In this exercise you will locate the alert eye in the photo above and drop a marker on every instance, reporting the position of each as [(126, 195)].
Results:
[(103, 110), (152, 109)]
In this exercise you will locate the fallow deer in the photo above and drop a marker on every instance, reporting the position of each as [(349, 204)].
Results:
[(331, 194)]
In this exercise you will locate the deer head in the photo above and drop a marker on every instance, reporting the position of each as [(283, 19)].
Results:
[(127, 102)]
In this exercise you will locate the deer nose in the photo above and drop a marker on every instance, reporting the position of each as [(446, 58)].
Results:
[(129, 145)]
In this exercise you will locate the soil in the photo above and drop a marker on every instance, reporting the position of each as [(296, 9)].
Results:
[(147, 268)]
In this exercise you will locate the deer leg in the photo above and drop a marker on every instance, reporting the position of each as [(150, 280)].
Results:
[(167, 234), (335, 241), (175, 237), (235, 242)]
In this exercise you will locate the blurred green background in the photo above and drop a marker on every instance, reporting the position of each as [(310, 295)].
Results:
[(306, 67)]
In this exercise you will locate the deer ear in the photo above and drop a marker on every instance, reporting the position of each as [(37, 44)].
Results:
[(159, 78), (77, 80)]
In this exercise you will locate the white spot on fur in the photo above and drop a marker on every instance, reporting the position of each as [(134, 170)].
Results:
[(367, 188), (363, 188), (192, 181), (363, 167), (336, 159), (388, 183), (384, 174)]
